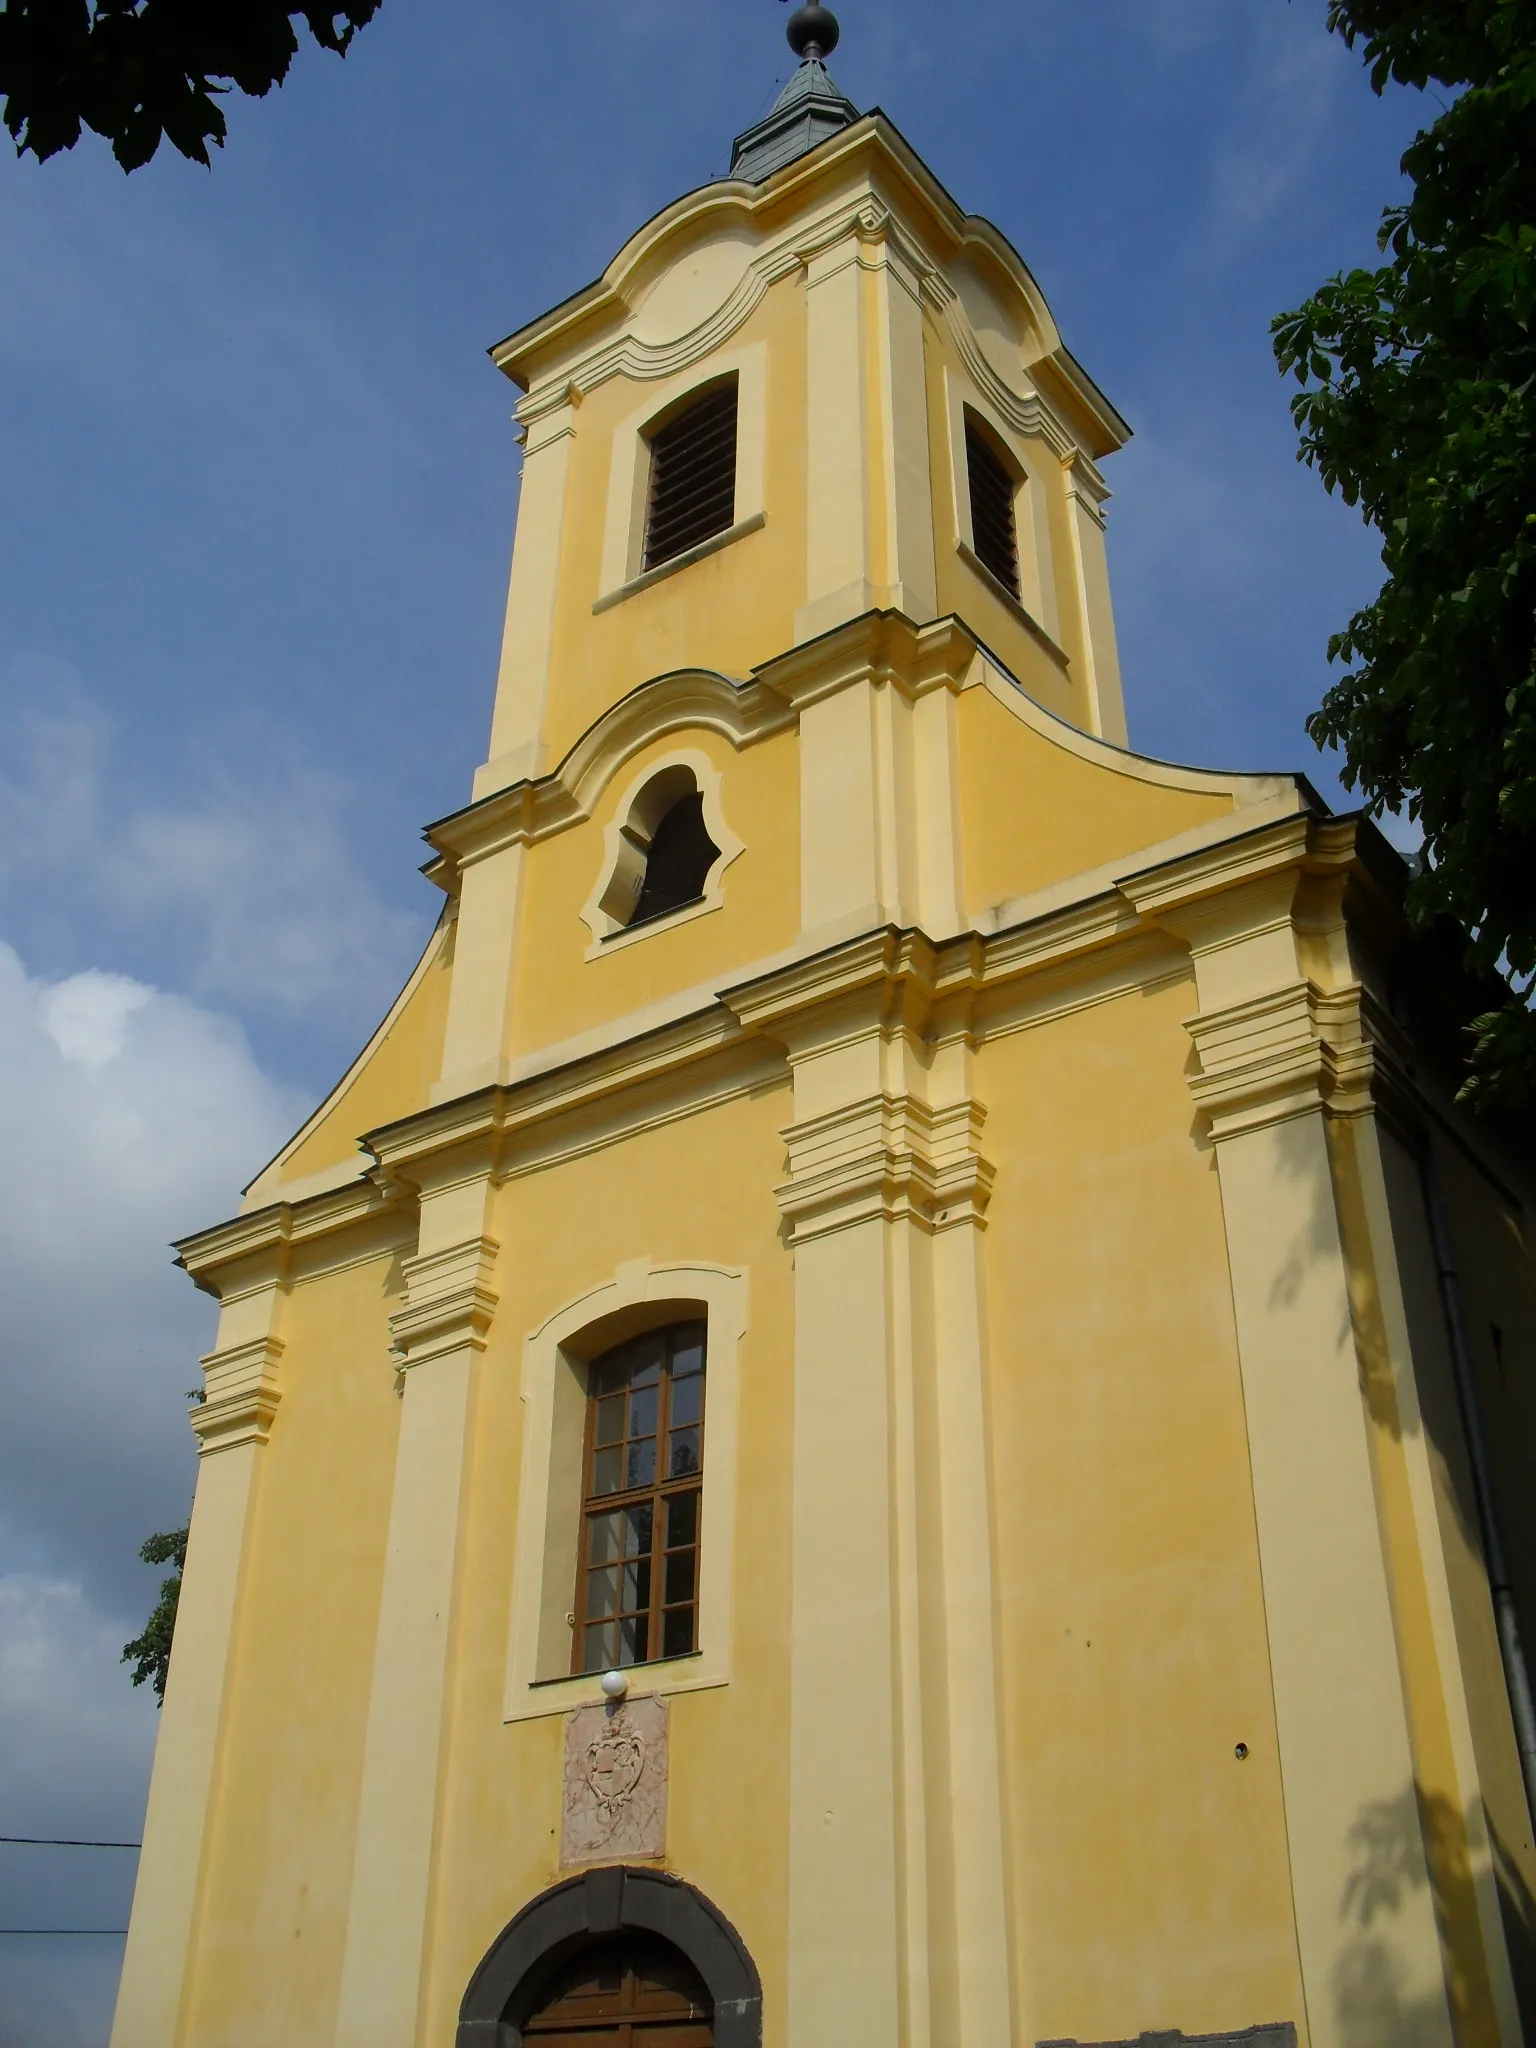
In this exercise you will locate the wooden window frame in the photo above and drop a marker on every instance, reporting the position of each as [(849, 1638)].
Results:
[(662, 1488)]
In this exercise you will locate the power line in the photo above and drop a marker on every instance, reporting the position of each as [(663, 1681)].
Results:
[(63, 1930), (62, 1842)]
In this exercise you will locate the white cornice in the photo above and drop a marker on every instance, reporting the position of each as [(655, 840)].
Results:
[(802, 211), (240, 1395), (1082, 948), (879, 644)]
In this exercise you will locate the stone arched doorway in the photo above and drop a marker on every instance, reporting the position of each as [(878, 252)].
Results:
[(617, 1958)]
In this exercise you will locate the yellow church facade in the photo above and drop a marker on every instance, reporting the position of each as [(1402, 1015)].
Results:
[(887, 1409)]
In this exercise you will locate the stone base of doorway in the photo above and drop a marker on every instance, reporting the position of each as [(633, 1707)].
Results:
[(1282, 2035)]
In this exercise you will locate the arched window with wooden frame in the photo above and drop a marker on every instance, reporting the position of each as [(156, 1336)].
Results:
[(637, 1586)]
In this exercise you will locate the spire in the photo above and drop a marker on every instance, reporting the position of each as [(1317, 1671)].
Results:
[(807, 111)]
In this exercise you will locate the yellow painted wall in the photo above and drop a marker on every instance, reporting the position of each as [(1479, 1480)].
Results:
[(1033, 813), (392, 1081), (727, 612), (662, 1195), (1149, 1864), (560, 992), (279, 1875)]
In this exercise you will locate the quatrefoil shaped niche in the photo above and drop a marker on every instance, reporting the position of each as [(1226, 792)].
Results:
[(665, 852)]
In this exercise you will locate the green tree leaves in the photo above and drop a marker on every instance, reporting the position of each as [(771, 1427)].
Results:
[(134, 70), (150, 1653), (1418, 405)]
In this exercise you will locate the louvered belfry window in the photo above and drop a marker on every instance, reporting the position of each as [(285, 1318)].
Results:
[(693, 476), (992, 523)]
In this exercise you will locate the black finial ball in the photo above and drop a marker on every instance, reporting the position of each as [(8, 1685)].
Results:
[(812, 27)]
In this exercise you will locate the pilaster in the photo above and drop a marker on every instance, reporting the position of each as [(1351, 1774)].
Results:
[(869, 510), (439, 1332), (1280, 1058), (249, 1271), (899, 1929), (838, 584), (478, 1027), (517, 726), (1086, 496), (895, 286), (879, 777)]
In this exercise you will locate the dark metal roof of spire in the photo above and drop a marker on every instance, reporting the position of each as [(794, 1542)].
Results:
[(807, 111)]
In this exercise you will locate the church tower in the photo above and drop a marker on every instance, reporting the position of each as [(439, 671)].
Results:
[(891, 1409)]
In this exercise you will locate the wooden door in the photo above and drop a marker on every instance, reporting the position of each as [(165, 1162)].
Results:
[(633, 1991)]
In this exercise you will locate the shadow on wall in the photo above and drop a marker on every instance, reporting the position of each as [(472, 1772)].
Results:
[(1374, 2003)]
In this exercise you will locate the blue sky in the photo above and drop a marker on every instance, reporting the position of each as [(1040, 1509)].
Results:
[(257, 497)]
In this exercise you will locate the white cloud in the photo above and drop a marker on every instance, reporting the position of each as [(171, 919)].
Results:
[(127, 1117), (247, 888), (87, 1015)]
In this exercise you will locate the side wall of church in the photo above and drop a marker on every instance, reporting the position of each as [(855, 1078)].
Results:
[(1149, 1861)]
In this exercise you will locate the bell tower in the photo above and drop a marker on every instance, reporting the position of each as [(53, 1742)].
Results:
[(871, 330)]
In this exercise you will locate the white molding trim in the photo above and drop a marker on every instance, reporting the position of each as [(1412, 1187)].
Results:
[(863, 213), (626, 843), (549, 1496)]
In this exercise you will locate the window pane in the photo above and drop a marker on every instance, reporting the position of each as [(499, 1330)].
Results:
[(600, 1645), (637, 1530), (642, 1462), (680, 1576), (633, 1635), (610, 1420), (637, 1586), (642, 1411), (602, 1538), (682, 1519), (647, 1366), (688, 1399), (688, 1353), (603, 1592), (608, 1470), (677, 1632), (685, 1453), (612, 1375)]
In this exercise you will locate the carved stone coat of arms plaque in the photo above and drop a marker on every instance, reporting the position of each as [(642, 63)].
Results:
[(615, 1794)]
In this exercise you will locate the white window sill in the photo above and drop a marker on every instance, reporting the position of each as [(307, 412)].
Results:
[(549, 1696), (632, 934), (1006, 598), (685, 560)]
